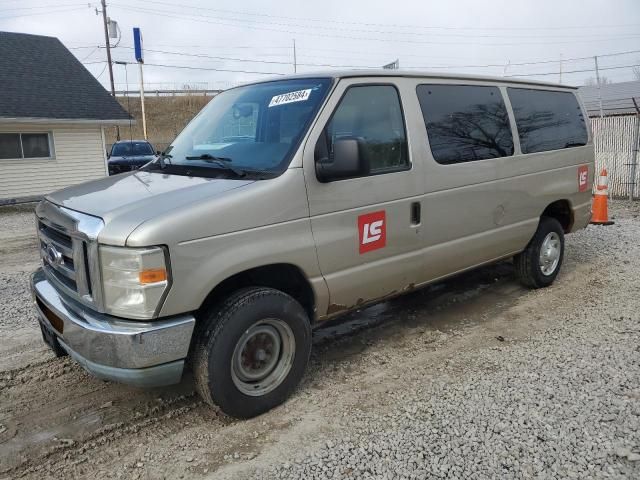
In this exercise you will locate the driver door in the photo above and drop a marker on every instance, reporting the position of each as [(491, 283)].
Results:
[(367, 228)]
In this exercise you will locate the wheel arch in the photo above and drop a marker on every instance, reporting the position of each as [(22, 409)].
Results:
[(562, 211), (286, 277)]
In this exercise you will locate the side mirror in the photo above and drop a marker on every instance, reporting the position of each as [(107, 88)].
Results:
[(108, 154), (158, 152), (347, 160)]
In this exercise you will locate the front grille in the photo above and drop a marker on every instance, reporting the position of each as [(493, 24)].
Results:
[(115, 169), (52, 240), (69, 251)]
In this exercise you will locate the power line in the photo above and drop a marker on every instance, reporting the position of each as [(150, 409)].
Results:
[(541, 62), (288, 63), (306, 30), (275, 62), (369, 31), (188, 67), (395, 53), (212, 69), (92, 52), (63, 10), (429, 27), (571, 71), (2, 10), (85, 46)]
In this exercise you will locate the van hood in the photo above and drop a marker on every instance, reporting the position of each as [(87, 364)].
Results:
[(132, 198)]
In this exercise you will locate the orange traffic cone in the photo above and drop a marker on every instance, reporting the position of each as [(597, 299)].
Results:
[(599, 210)]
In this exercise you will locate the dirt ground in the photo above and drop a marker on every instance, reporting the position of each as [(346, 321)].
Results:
[(56, 421)]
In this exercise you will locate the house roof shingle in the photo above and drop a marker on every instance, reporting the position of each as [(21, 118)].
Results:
[(40, 78)]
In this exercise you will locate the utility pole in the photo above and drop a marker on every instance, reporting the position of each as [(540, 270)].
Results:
[(598, 82), (108, 46), (144, 116), (560, 68), (295, 62), (109, 64), (137, 47)]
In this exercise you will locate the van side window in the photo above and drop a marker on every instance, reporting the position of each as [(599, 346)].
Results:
[(372, 113), (465, 122), (547, 120)]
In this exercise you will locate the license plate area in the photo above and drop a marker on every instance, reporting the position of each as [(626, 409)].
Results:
[(56, 322), (50, 339)]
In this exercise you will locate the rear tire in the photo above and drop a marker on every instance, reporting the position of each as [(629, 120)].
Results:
[(538, 265), (252, 351)]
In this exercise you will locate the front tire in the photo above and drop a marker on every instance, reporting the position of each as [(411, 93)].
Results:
[(538, 265), (252, 351)]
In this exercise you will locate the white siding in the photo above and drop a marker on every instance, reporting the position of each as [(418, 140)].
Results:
[(79, 157)]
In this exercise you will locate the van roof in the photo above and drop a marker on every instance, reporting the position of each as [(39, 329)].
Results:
[(418, 74)]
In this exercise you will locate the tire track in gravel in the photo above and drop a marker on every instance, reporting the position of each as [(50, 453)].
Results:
[(74, 426), (57, 399), (71, 398)]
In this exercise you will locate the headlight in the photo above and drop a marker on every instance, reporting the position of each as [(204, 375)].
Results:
[(133, 280)]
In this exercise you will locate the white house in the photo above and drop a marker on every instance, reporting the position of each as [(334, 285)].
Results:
[(53, 113)]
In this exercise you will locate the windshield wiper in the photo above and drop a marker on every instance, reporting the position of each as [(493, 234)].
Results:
[(208, 156), (222, 162)]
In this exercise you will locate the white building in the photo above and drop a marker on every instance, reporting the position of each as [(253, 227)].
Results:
[(53, 113)]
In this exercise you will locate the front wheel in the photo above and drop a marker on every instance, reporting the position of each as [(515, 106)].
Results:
[(252, 351), (538, 265)]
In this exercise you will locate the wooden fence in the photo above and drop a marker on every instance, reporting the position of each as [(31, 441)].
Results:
[(614, 139)]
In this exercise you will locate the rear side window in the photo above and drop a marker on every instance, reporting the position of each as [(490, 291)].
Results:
[(547, 120), (465, 122), (373, 114)]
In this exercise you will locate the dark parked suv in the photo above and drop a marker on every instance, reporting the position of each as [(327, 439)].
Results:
[(127, 155)]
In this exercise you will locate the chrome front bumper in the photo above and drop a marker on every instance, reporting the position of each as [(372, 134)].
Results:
[(145, 354)]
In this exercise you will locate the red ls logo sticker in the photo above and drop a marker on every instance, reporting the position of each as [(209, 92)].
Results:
[(372, 229), (583, 178)]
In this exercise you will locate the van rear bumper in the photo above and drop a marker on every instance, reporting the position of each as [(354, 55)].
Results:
[(144, 354)]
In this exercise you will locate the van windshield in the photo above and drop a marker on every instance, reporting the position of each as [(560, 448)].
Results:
[(246, 130)]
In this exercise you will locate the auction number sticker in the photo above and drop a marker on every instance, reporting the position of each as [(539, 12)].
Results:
[(299, 96)]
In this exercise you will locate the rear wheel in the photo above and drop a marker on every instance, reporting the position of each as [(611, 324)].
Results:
[(538, 265), (252, 351)]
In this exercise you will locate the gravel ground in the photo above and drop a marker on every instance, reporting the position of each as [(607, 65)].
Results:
[(17, 236), (564, 403), (474, 377)]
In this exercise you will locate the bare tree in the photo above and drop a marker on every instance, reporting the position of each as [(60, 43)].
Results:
[(481, 131), (592, 81)]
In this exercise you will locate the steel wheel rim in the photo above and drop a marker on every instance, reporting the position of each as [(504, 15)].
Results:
[(263, 357), (550, 251)]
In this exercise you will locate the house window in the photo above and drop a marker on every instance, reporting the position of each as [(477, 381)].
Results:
[(25, 145)]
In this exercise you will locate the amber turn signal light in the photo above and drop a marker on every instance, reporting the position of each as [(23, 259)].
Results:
[(153, 275)]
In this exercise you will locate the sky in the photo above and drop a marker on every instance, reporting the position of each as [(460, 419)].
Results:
[(205, 44)]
